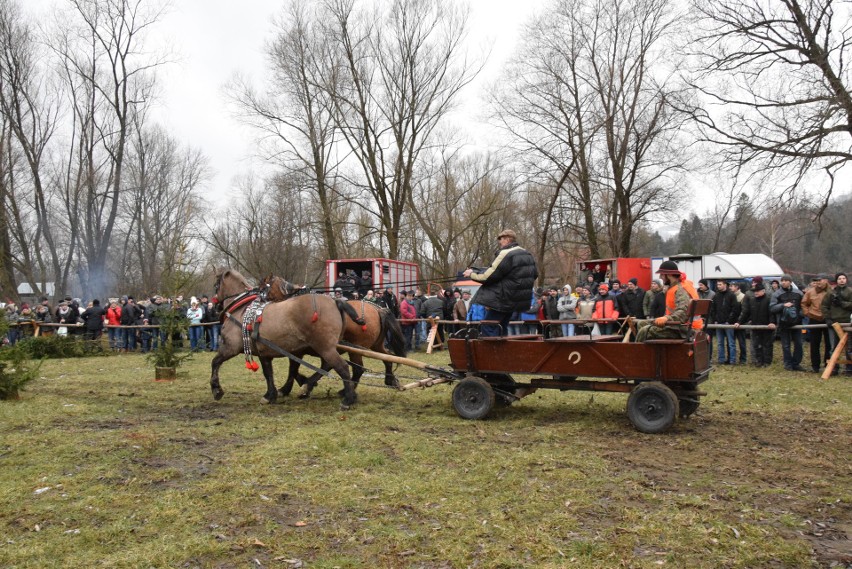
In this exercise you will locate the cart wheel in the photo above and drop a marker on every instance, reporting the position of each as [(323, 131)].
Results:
[(652, 407), (473, 398), (687, 407)]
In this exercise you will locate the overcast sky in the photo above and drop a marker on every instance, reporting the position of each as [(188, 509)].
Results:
[(214, 39)]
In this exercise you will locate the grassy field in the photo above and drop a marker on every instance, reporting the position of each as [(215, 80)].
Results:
[(102, 467)]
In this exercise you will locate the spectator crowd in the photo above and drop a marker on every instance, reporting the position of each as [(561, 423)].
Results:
[(597, 305)]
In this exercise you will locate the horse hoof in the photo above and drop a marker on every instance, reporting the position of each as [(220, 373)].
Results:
[(344, 407), (267, 401), (218, 394)]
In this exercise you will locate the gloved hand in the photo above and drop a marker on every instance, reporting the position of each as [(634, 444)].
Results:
[(661, 321)]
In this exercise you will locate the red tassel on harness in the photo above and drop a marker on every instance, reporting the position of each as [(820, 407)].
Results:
[(248, 364), (363, 327), (315, 316), (248, 327), (254, 366)]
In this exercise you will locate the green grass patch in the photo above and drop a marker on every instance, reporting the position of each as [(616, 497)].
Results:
[(100, 466)]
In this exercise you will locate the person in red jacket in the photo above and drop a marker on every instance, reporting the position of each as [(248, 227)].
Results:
[(407, 315), (113, 318), (605, 310)]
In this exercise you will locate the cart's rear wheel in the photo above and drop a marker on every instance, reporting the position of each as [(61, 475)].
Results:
[(687, 407), (652, 407), (473, 398)]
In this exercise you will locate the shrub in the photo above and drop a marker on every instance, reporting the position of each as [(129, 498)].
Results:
[(173, 323), (53, 347), (16, 370)]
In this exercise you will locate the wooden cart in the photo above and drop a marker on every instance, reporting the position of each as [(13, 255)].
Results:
[(661, 376)]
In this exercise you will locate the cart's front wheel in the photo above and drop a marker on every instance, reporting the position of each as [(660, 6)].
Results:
[(473, 398), (652, 407)]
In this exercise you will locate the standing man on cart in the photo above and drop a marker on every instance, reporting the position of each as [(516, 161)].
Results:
[(506, 284)]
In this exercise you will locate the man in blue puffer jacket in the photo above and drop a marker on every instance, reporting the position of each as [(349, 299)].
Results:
[(506, 284)]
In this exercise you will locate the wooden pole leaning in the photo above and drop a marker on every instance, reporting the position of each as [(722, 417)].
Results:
[(843, 337)]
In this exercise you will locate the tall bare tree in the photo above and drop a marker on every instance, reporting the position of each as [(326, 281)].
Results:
[(111, 78), (162, 211), (268, 231), (295, 114), (776, 83), (30, 109), (401, 71), (455, 206), (588, 101)]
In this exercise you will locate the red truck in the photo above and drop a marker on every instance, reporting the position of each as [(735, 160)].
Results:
[(621, 268), (400, 275)]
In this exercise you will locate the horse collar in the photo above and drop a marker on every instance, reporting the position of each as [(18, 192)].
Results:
[(241, 300)]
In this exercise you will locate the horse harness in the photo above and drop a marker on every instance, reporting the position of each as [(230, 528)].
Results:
[(251, 323)]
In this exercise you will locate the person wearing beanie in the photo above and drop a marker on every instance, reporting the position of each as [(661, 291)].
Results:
[(654, 302), (755, 310), (678, 296), (631, 300), (812, 310), (606, 310), (195, 314), (704, 291), (837, 307), (786, 305)]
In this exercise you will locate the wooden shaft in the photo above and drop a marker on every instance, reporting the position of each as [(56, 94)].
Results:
[(384, 357), (428, 382)]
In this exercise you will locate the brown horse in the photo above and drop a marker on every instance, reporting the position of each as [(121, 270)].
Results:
[(306, 325), (379, 324)]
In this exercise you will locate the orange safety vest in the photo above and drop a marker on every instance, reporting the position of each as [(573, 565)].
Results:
[(697, 321)]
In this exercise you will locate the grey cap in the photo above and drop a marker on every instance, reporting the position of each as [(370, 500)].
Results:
[(786, 277)]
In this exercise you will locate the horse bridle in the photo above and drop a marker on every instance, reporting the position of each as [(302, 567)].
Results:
[(220, 302)]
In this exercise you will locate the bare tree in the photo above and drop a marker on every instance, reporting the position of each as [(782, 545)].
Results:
[(776, 86), (111, 78), (29, 106), (400, 73), (162, 211), (588, 99), (267, 231), (295, 115), (455, 205)]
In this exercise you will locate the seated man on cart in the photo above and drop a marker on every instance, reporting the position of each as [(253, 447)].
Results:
[(506, 284), (678, 296)]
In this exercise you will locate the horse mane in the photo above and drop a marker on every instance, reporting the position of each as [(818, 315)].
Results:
[(277, 288)]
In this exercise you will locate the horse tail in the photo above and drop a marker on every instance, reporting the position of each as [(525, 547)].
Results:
[(396, 340), (347, 309)]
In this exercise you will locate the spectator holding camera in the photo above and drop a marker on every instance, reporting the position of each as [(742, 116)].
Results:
[(837, 307)]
